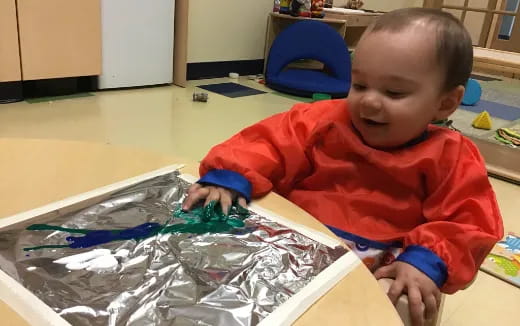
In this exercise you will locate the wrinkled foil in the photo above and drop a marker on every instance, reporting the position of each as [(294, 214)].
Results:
[(180, 279)]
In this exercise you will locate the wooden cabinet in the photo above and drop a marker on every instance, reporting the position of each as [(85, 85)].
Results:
[(59, 38), (9, 55)]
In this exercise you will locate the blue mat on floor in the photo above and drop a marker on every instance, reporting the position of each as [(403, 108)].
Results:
[(231, 89), (497, 110)]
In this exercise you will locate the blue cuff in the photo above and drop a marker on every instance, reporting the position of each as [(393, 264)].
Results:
[(364, 241), (230, 180), (427, 262)]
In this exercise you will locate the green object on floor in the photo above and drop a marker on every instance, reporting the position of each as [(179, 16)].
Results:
[(56, 98), (320, 97)]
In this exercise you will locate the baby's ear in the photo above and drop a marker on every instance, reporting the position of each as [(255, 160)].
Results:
[(450, 102)]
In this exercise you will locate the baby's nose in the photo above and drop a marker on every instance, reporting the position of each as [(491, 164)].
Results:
[(371, 104)]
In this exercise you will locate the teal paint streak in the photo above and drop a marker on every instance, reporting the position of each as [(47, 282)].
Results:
[(209, 219), (45, 247)]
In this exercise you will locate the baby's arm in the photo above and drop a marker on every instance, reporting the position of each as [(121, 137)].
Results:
[(268, 155), (463, 221), (462, 225)]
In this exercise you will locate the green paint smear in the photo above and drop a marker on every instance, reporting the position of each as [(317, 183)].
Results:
[(209, 219), (45, 247)]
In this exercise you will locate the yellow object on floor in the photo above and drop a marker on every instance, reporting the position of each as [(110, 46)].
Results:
[(482, 121)]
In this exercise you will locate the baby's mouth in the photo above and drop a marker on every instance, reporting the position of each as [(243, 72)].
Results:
[(371, 122)]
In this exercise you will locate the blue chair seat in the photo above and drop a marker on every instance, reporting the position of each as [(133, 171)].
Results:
[(307, 82), (315, 40)]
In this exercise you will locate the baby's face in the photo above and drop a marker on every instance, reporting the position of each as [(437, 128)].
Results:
[(396, 86)]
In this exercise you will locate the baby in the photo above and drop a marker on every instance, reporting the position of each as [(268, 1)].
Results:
[(411, 199)]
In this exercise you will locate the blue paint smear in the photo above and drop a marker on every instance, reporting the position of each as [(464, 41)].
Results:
[(198, 221), (95, 238)]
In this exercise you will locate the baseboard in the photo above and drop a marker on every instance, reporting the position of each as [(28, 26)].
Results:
[(10, 92), (19, 90), (59, 86), (203, 70)]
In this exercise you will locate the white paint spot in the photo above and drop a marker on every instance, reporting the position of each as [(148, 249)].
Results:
[(78, 265), (97, 260), (122, 253), (31, 268), (83, 256), (103, 264)]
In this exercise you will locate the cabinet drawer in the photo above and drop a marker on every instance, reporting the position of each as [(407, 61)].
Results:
[(59, 38)]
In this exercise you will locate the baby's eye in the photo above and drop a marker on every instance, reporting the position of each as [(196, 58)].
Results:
[(359, 87), (395, 94)]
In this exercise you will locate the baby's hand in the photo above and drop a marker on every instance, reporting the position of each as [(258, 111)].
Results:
[(424, 296), (226, 197)]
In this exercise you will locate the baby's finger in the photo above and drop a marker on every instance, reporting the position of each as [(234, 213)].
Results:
[(195, 196), (214, 195), (438, 298), (242, 202), (430, 306), (416, 306), (226, 200), (194, 187), (385, 272), (395, 291)]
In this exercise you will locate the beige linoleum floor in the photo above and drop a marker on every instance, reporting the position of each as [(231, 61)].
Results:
[(164, 119)]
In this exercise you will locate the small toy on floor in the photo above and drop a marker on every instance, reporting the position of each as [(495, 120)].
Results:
[(320, 97), (507, 136), (482, 121), (200, 97)]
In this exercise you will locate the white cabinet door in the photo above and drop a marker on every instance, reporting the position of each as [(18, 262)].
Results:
[(137, 42)]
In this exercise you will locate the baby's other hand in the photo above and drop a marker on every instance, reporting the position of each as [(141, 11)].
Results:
[(225, 196), (424, 296)]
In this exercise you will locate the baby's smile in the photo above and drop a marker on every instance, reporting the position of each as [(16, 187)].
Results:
[(374, 123)]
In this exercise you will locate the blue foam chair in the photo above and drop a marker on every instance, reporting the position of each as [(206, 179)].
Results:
[(309, 39)]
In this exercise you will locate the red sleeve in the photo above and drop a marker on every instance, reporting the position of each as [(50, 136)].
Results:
[(271, 153), (463, 219)]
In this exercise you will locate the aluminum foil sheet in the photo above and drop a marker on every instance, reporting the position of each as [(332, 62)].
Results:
[(227, 278)]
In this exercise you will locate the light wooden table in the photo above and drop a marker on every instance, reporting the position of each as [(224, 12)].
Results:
[(37, 172)]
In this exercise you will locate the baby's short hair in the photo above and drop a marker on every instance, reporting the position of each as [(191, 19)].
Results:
[(454, 45)]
